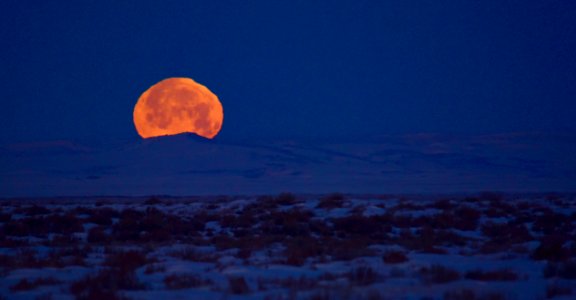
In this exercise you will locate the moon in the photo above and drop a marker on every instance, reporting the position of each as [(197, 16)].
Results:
[(178, 105)]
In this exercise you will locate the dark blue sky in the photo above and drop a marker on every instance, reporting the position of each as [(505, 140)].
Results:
[(74, 69)]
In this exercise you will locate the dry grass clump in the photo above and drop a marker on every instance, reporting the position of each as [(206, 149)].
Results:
[(285, 199), (34, 210), (508, 233), (438, 274), (153, 201), (102, 216), (269, 203), (106, 284), (184, 281), (41, 226), (299, 284), (192, 254), (555, 290), (119, 275), (30, 258), (97, 235), (294, 222), (355, 225), (331, 201), (349, 249), (443, 204), (429, 240), (26, 285), (461, 217), (468, 294), (503, 236), (363, 275), (498, 275), (6, 242), (238, 286), (155, 226), (552, 248), (299, 249), (551, 222), (129, 260), (566, 270), (154, 268), (394, 257)]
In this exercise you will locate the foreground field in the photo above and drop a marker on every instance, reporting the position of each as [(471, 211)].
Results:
[(486, 246)]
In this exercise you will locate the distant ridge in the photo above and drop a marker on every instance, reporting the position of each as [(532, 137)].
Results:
[(187, 164)]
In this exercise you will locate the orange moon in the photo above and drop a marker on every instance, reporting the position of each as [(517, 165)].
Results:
[(178, 105)]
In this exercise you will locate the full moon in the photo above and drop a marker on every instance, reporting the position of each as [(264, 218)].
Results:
[(178, 105)]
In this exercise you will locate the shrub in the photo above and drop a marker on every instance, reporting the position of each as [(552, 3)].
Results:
[(64, 224), (466, 218), (244, 253), (291, 223), (102, 216), (61, 240), (263, 203), (494, 197), (299, 249), (285, 199), (153, 201), (566, 270), (551, 248), (499, 275), (358, 225), (394, 257), (363, 275), (401, 221), (156, 236), (439, 274), (238, 285), (319, 227), (12, 243), (29, 258), (293, 284), (442, 220), (70, 255), (6, 261), (25, 284), (464, 294), (397, 272), (154, 268), (27, 227), (555, 290), (192, 254), (552, 222), (36, 210), (443, 204), (128, 261), (105, 283), (97, 235), (324, 294), (550, 270), (331, 201), (506, 233), (348, 249), (468, 294), (184, 281), (427, 240)]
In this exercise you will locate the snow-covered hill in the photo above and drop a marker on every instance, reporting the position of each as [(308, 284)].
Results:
[(188, 165)]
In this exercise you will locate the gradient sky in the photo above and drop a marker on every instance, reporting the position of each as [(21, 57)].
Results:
[(74, 69)]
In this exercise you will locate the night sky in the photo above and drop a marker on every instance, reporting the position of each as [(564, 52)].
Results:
[(75, 69)]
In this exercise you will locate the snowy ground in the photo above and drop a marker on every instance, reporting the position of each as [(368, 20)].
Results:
[(486, 246)]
